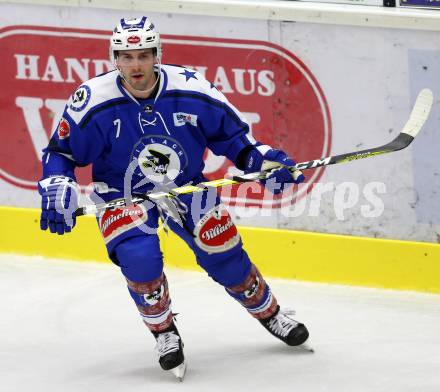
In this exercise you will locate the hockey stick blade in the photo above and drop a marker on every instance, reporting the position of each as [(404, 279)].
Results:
[(417, 119), (420, 113)]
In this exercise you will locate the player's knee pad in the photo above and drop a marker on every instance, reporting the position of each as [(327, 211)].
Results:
[(153, 301), (140, 258), (255, 295)]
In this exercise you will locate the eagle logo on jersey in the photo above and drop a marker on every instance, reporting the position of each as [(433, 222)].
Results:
[(157, 161), (80, 98), (159, 158)]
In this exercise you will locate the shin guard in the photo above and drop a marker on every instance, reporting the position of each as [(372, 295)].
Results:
[(153, 301), (255, 295)]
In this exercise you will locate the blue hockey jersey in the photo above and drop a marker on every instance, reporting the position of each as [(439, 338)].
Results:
[(139, 142)]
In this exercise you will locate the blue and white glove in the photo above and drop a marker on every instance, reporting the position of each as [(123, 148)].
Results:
[(59, 201), (263, 158)]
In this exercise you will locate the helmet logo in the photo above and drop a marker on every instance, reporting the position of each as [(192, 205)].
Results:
[(134, 39)]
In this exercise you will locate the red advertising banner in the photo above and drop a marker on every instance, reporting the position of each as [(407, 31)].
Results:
[(275, 91)]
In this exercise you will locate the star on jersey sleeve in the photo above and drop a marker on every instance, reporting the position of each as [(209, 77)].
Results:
[(189, 74)]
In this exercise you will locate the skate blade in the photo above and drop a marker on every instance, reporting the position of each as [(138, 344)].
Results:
[(179, 371), (307, 347)]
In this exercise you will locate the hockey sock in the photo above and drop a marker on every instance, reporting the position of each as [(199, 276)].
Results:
[(153, 301), (255, 295)]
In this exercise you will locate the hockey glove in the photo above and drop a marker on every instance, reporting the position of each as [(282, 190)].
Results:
[(59, 201), (273, 161)]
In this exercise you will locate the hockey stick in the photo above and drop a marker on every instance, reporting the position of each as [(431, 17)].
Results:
[(417, 118)]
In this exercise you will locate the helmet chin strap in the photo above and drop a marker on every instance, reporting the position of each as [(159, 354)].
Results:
[(141, 91)]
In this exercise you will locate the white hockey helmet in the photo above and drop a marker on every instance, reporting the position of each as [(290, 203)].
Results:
[(134, 33)]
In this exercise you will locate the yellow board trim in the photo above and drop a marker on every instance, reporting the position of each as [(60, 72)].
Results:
[(20, 233), (315, 257)]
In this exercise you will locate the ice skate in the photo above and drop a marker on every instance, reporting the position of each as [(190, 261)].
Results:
[(169, 347), (287, 329), (179, 371)]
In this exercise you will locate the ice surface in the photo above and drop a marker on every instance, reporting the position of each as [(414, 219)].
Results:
[(72, 327)]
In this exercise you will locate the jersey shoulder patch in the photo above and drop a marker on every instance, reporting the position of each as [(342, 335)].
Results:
[(93, 93)]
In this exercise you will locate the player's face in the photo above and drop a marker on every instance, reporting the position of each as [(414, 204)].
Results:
[(137, 67)]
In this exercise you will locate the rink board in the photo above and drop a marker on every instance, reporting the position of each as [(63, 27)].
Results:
[(278, 253), (376, 61)]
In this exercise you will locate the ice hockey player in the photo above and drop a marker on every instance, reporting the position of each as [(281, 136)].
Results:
[(145, 125)]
